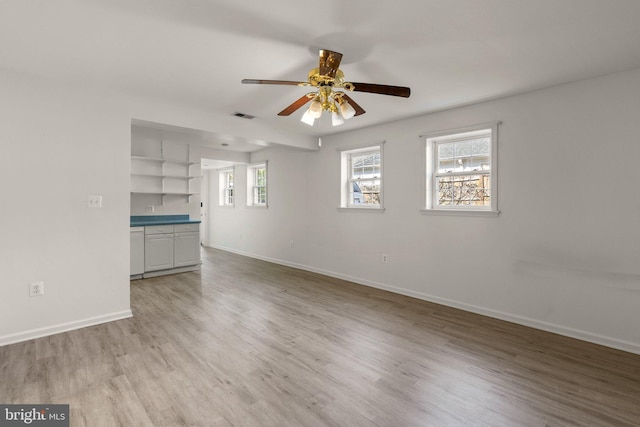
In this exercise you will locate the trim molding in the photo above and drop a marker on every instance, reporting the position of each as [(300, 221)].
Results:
[(63, 327), (358, 209), (460, 212), (627, 346)]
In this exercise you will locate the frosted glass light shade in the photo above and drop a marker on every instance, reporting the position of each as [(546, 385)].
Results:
[(347, 110), (307, 118), (315, 109), (336, 119)]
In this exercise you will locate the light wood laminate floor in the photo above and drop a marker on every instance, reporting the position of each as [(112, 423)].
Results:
[(249, 343)]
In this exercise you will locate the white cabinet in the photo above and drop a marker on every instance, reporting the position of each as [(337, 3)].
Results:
[(171, 249), (186, 245), (158, 248), (137, 251)]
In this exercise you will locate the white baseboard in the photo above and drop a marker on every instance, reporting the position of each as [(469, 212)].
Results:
[(63, 327), (508, 317)]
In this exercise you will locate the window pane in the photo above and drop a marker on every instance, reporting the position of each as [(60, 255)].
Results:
[(464, 156), (365, 165), (370, 172), (463, 149), (365, 192), (481, 146), (481, 163), (445, 150), (470, 190), (261, 177), (446, 165), (259, 195)]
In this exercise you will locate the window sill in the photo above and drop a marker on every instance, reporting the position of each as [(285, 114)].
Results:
[(357, 209), (258, 206), (226, 206), (460, 212)]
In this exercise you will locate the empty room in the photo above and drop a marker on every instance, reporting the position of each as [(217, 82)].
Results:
[(349, 213)]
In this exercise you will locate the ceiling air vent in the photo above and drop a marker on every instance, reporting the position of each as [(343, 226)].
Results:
[(243, 115)]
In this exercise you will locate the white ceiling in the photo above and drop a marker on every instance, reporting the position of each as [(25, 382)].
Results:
[(195, 52)]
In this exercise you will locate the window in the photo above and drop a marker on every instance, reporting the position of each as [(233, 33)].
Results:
[(361, 183), (461, 171), (257, 185), (226, 187)]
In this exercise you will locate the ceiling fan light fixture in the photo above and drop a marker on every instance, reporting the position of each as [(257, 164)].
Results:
[(307, 118), (336, 119), (347, 110), (325, 79)]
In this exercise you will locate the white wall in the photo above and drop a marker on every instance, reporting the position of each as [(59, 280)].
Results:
[(260, 230), (57, 146), (60, 143), (562, 256)]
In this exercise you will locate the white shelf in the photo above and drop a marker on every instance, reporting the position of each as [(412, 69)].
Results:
[(160, 176), (150, 159), (151, 175), (160, 160), (180, 177), (164, 193)]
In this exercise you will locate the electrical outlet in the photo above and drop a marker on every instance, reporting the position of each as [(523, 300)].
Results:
[(36, 289), (94, 201), (384, 258), (149, 208), (291, 243)]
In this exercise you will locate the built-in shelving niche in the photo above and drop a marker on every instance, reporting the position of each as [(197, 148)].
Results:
[(165, 170)]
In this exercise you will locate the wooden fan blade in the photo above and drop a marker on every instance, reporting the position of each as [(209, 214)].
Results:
[(382, 89), (329, 63), (359, 109), (274, 82), (297, 104)]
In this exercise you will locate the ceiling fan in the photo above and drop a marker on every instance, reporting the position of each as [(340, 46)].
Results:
[(327, 77)]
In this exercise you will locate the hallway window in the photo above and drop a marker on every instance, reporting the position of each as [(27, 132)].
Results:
[(257, 185), (226, 187)]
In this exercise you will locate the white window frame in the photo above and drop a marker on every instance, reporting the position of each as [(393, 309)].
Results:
[(224, 189), (429, 192), (346, 180), (252, 184)]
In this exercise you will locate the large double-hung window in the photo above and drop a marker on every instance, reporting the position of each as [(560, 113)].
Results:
[(461, 172)]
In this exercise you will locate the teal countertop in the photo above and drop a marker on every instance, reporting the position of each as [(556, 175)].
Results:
[(144, 220)]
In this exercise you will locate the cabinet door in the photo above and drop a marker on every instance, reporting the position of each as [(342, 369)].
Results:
[(158, 252), (137, 251), (187, 249)]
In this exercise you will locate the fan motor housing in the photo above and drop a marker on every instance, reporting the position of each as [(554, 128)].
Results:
[(316, 79)]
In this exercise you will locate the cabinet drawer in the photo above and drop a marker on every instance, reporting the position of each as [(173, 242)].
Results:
[(158, 229), (180, 228)]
